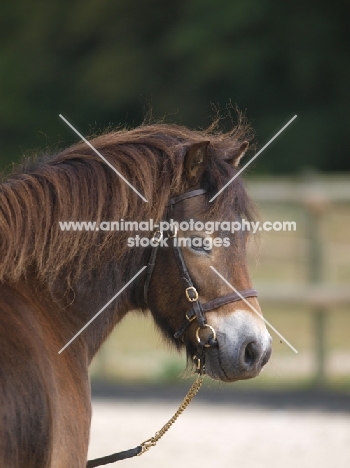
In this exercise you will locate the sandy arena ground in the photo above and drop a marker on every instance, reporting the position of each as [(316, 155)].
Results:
[(208, 435)]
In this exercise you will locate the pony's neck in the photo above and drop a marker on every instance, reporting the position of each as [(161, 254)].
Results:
[(74, 274), (68, 311), (90, 295)]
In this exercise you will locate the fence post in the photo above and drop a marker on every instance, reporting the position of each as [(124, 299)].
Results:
[(315, 204)]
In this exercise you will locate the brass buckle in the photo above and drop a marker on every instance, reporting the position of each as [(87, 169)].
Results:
[(171, 236), (197, 362), (157, 237), (194, 290), (200, 365), (207, 345), (190, 319)]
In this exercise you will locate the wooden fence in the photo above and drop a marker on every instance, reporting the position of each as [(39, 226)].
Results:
[(315, 195)]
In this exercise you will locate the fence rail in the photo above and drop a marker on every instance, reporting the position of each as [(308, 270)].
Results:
[(309, 295)]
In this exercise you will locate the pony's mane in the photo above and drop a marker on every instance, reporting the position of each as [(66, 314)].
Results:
[(76, 185)]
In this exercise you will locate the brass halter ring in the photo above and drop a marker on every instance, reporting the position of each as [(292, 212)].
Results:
[(207, 345)]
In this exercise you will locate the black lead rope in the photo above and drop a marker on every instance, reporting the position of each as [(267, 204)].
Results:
[(114, 457), (147, 444)]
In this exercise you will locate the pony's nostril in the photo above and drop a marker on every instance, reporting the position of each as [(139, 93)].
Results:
[(250, 355)]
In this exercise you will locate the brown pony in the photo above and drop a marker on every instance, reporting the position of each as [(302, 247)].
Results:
[(52, 282)]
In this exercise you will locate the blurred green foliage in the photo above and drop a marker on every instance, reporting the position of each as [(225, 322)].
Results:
[(103, 62)]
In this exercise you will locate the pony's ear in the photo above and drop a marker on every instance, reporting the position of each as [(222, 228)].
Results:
[(236, 155), (196, 160)]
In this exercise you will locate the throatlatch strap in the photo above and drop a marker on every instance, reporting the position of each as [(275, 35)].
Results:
[(152, 262)]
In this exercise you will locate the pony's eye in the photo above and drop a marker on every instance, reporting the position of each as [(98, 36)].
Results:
[(201, 244)]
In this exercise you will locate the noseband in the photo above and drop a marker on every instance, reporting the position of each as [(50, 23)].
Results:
[(198, 310)]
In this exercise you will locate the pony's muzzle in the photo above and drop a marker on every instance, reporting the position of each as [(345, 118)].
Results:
[(244, 347)]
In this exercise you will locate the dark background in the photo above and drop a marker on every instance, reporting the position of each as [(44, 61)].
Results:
[(102, 63)]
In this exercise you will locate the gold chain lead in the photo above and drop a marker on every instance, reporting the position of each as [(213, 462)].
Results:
[(147, 444)]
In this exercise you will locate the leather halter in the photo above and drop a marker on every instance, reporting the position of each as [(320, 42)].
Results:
[(198, 310), (196, 313)]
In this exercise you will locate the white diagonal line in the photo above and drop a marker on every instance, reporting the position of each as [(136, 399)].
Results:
[(103, 308), (254, 157), (254, 310), (104, 159)]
